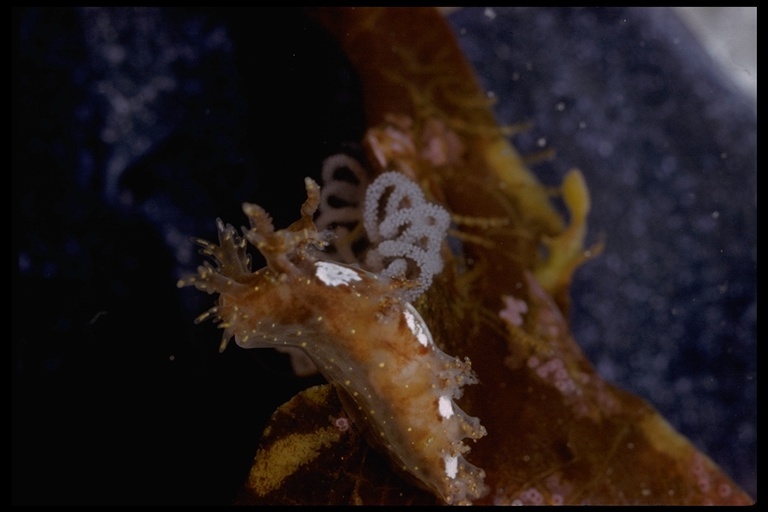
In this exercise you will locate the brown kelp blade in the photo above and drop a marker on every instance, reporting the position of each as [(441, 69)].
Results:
[(557, 432)]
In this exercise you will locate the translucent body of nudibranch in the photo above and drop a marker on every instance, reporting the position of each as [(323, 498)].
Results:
[(363, 336)]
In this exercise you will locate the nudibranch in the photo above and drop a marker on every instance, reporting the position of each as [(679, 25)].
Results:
[(360, 331)]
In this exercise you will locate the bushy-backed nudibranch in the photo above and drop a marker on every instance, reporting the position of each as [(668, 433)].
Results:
[(364, 337)]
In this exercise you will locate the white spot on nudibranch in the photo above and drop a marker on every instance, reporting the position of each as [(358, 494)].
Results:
[(334, 275), (451, 466), (416, 325), (445, 407)]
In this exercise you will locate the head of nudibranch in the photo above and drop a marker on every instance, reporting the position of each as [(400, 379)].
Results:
[(357, 326)]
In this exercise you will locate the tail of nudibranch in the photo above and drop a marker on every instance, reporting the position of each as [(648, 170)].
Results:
[(358, 327)]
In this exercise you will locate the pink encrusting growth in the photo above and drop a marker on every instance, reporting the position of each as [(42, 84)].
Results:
[(513, 311), (358, 328)]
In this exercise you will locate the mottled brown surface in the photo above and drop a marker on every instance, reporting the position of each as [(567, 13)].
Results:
[(345, 472)]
